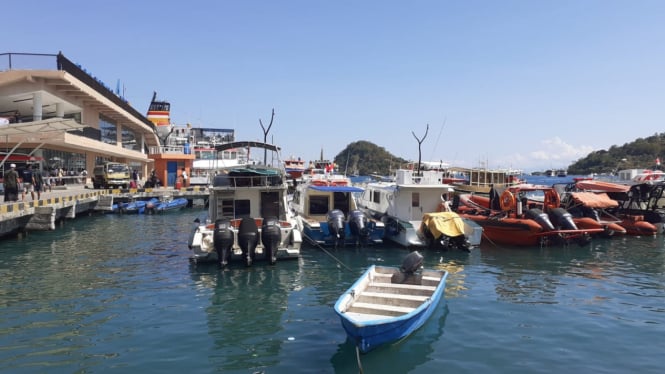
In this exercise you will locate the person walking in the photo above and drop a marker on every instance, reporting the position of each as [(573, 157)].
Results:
[(10, 181), (28, 183), (38, 182)]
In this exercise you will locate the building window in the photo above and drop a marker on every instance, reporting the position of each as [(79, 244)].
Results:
[(129, 140), (415, 199), (108, 130)]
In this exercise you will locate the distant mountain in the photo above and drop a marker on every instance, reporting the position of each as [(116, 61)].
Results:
[(641, 153), (366, 158)]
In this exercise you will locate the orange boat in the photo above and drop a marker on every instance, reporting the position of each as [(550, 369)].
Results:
[(634, 206), (590, 208), (523, 215)]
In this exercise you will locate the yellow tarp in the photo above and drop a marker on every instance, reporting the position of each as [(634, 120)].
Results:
[(446, 223)]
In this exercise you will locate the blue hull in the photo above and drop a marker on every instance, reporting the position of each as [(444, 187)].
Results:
[(322, 236), (368, 333)]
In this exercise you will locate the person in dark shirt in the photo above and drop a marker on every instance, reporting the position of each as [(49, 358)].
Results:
[(28, 183), (10, 182)]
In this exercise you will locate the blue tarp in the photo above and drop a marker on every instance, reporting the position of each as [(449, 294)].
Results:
[(336, 188)]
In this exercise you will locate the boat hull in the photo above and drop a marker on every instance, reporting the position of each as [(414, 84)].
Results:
[(375, 311)]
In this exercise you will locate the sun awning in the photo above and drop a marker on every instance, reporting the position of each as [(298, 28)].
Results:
[(37, 127), (594, 200)]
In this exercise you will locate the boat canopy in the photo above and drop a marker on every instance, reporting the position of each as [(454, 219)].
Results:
[(594, 200), (336, 188), (252, 171), (246, 144)]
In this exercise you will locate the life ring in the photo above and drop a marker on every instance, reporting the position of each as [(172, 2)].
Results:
[(319, 183), (338, 183), (552, 199), (507, 201)]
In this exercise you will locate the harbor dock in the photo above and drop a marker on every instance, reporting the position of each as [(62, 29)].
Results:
[(77, 200)]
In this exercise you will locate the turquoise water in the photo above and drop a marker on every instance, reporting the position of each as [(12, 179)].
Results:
[(117, 294)]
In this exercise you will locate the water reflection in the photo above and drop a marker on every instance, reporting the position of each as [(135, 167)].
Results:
[(400, 357), (245, 314)]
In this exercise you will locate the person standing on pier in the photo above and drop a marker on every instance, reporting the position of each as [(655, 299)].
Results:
[(10, 181), (28, 183), (184, 178), (38, 181)]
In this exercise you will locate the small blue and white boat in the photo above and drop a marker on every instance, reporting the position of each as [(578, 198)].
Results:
[(166, 205), (387, 304), (327, 213)]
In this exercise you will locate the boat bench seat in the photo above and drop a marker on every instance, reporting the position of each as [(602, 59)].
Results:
[(401, 288), (397, 296), (364, 317), (389, 309)]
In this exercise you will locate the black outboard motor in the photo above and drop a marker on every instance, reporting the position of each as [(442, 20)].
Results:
[(335, 222), (561, 218), (248, 239), (358, 224), (222, 239), (540, 217), (407, 272), (271, 237)]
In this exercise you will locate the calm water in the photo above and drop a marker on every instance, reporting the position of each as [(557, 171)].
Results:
[(116, 294)]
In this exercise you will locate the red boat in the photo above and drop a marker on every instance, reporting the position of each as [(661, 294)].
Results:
[(524, 215), (618, 202)]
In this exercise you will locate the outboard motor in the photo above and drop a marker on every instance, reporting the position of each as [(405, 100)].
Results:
[(540, 217), (407, 272), (561, 218), (335, 222), (222, 239), (358, 224), (271, 237), (248, 239)]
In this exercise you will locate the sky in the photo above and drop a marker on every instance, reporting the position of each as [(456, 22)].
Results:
[(531, 85)]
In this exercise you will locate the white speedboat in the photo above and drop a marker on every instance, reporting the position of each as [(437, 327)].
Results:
[(415, 210), (248, 219)]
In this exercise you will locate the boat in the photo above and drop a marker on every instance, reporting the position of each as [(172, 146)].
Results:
[(387, 304), (327, 213), (295, 167), (482, 180), (166, 205), (413, 207), (591, 209), (136, 206), (639, 206), (248, 218), (523, 215)]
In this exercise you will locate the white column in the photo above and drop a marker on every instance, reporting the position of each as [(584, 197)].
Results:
[(59, 110), (142, 143), (37, 106)]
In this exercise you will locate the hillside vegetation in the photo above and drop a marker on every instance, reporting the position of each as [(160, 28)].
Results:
[(641, 153), (366, 158)]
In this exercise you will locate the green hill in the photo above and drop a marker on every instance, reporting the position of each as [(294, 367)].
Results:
[(641, 153)]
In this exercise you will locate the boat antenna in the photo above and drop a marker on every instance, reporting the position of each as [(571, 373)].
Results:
[(436, 143)]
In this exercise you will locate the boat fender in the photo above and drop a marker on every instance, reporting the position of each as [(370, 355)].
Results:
[(507, 201)]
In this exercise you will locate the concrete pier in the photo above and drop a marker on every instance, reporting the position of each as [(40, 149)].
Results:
[(71, 202)]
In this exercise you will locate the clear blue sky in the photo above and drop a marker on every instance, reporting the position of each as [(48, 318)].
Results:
[(524, 84)]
